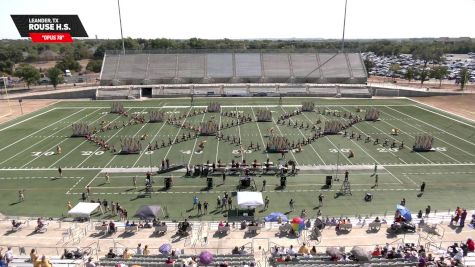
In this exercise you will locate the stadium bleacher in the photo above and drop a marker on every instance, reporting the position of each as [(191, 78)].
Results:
[(249, 67)]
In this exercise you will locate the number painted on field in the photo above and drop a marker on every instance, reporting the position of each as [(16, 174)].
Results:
[(385, 150), (89, 153), (440, 149), (188, 152), (199, 152), (236, 151), (148, 152), (170, 112), (343, 150), (41, 153), (140, 112), (104, 113)]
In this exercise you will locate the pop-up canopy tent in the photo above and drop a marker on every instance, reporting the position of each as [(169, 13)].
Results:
[(83, 209), (148, 212), (249, 199)]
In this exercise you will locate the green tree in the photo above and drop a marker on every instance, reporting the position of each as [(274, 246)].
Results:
[(428, 53), (28, 73), (409, 74), (395, 69), (55, 75), (68, 63), (423, 74), (94, 66), (369, 64), (463, 78), (439, 73)]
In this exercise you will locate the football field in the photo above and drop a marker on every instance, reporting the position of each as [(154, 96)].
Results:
[(29, 160)]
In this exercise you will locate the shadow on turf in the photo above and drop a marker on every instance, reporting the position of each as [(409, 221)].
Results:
[(14, 203)]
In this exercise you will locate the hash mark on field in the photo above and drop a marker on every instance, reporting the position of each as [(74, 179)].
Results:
[(68, 192)]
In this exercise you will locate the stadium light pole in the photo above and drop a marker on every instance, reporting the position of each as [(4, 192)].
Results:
[(121, 33), (344, 26)]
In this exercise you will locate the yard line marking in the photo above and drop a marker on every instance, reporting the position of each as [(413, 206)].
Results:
[(306, 137), (183, 123), (33, 178), (196, 140), (93, 178), (35, 158), (51, 124), (443, 111), (278, 128), (415, 137), (27, 119), (433, 127), (240, 139), (219, 132), (259, 129), (80, 144), (72, 187), (407, 177), (118, 117), (151, 141), (36, 143), (113, 157)]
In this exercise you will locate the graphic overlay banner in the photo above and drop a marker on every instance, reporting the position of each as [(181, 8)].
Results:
[(49, 28)]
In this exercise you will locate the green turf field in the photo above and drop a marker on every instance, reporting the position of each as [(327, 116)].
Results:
[(28, 145)]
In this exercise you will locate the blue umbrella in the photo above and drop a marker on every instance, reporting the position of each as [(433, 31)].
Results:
[(165, 249), (404, 212), (274, 217)]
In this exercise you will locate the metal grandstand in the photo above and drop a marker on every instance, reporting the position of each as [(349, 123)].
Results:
[(230, 73)]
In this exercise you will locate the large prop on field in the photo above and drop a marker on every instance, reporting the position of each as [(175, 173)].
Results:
[(333, 127), (372, 114), (308, 106), (156, 116), (278, 144), (264, 115), (130, 145), (208, 128), (423, 143), (117, 108), (81, 129), (214, 107)]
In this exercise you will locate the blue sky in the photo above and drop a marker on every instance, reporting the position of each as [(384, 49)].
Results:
[(240, 19)]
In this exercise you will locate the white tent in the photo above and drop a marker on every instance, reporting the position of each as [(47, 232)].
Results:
[(83, 209), (249, 199)]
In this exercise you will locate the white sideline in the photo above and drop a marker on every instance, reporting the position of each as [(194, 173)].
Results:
[(27, 119)]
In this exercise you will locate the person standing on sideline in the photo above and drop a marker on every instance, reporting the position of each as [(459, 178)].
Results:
[(134, 181), (266, 203), (264, 182), (320, 200), (205, 207), (21, 195), (224, 177), (195, 201), (108, 178), (291, 204), (347, 173), (60, 171), (375, 169), (427, 211), (58, 150), (199, 208), (423, 187), (88, 190), (376, 178)]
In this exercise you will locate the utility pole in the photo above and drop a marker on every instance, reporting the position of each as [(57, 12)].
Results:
[(344, 25), (121, 34)]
